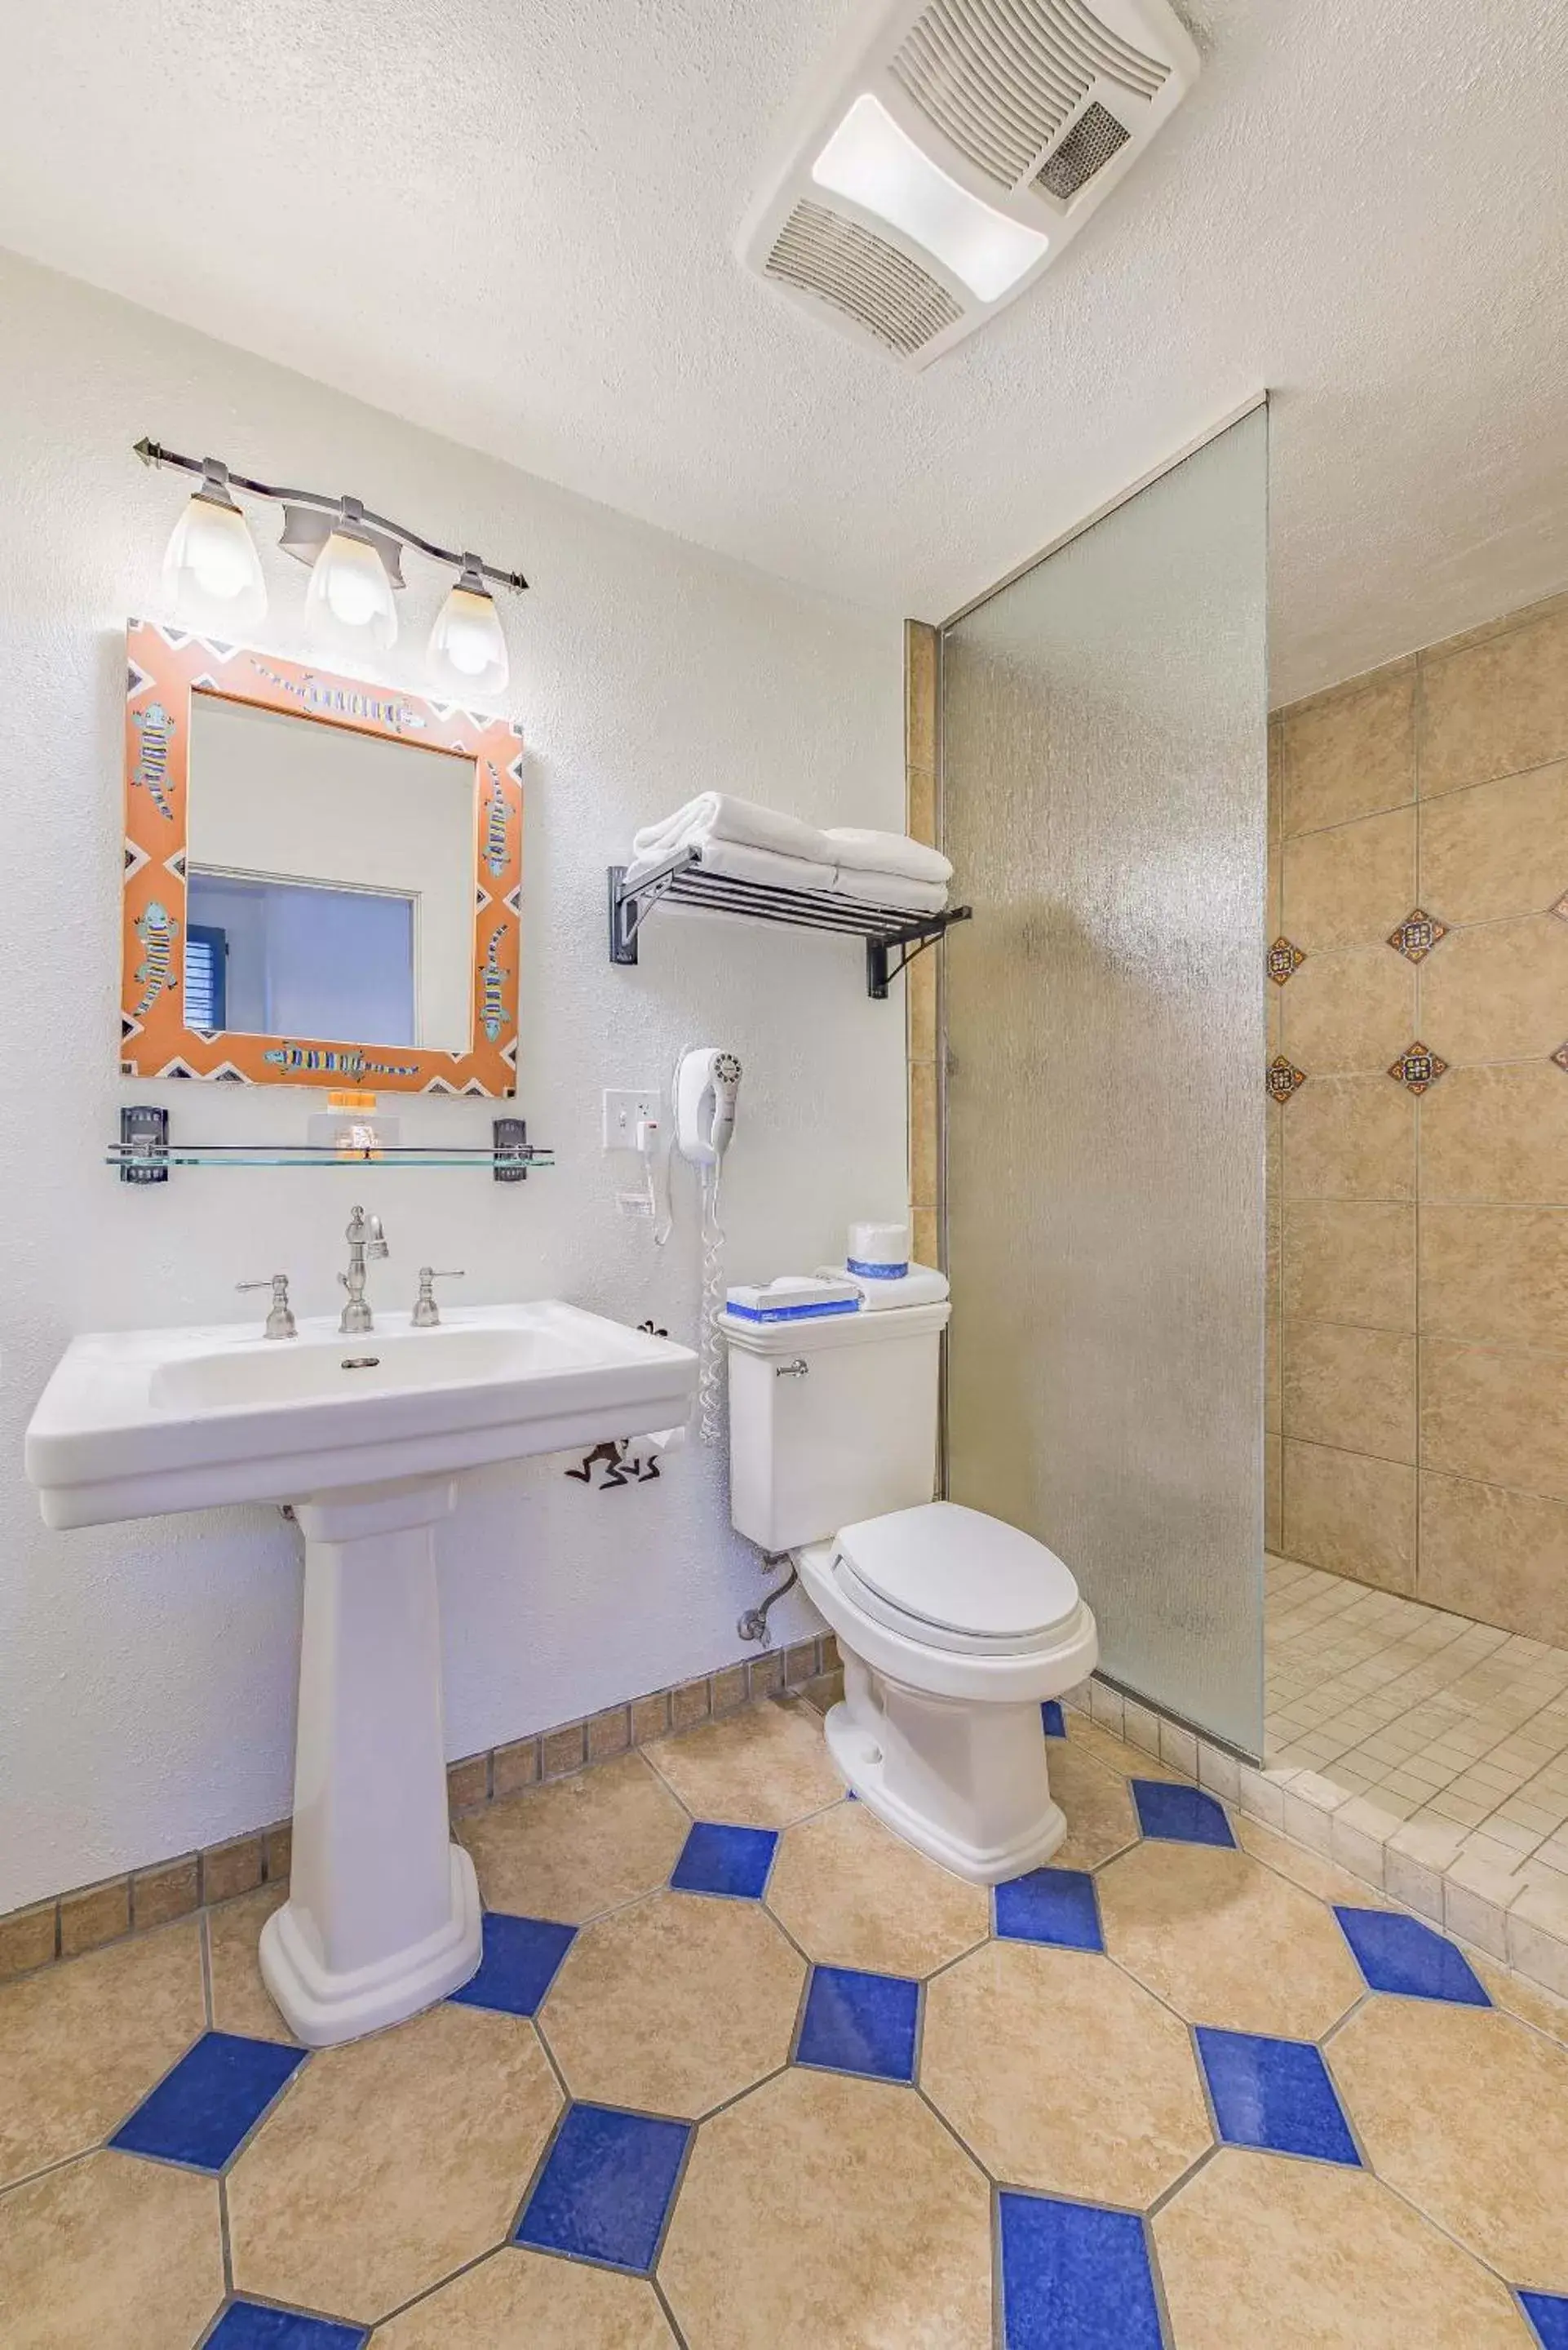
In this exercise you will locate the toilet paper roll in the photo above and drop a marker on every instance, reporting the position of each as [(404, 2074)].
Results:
[(878, 1251)]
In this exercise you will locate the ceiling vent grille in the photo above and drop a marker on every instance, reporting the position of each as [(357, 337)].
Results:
[(999, 78), (864, 276), (1089, 147)]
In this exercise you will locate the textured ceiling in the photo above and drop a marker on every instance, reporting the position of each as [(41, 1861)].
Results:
[(512, 222)]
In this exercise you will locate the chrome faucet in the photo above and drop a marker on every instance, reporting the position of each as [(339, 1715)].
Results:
[(364, 1239), (426, 1315)]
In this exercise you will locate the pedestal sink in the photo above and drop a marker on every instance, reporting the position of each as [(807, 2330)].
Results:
[(362, 1436)]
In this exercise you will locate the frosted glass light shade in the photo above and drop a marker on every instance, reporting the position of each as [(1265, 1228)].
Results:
[(468, 644), (873, 160), (212, 572), (348, 606)]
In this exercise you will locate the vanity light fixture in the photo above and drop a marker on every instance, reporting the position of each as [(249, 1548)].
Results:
[(212, 577)]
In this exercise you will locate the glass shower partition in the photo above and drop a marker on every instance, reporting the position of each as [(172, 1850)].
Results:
[(1103, 790)]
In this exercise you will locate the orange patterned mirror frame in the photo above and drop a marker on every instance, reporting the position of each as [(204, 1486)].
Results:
[(164, 668)]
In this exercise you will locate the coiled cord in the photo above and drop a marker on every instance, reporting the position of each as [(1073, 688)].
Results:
[(710, 1400)]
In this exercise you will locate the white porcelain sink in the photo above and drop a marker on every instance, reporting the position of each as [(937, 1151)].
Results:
[(363, 1436)]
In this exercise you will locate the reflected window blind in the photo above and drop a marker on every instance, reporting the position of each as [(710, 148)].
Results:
[(206, 951)]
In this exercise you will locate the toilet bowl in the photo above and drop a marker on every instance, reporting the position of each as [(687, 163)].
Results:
[(953, 1626)]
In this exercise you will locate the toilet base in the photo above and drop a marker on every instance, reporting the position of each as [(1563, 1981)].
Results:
[(966, 1784)]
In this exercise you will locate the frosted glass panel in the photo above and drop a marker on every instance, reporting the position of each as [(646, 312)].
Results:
[(1104, 792)]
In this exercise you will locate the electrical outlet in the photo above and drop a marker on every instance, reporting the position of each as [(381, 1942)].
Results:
[(625, 1109)]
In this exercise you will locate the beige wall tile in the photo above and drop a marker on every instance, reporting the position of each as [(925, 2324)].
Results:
[(1274, 890), (1350, 1388), (921, 997), (926, 1237), (1502, 1557), (1272, 1492), (764, 1677), (921, 805), (516, 1766), (1273, 1337), (230, 1868), (1351, 886), (919, 694), (1498, 1133), (1350, 753), (468, 1783), (1498, 993), (649, 1717), (1350, 1514), (1497, 848), (171, 1891), (561, 1751), (1353, 1008), (277, 1850), (1350, 1138), (923, 1134), (1498, 1274), (1276, 770), (689, 1703), (1497, 708), (97, 1914), (608, 1733), (1351, 1261), (1496, 1415), (27, 1938), (728, 1689)]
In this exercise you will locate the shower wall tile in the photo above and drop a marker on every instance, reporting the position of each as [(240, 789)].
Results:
[(1353, 1388), (1348, 756), (1350, 1514), (921, 981), (1340, 1009), (1498, 1132), (1498, 707), (1500, 1556), (1496, 849), (1495, 1414), (1351, 1261), (1350, 1138), (1498, 993), (1497, 1274), (1350, 887), (1274, 1495)]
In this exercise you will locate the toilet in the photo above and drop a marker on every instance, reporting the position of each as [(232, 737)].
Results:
[(953, 1626)]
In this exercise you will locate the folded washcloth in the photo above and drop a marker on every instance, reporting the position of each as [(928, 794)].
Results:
[(716, 815), (895, 890), (740, 863), (921, 1285), (857, 851)]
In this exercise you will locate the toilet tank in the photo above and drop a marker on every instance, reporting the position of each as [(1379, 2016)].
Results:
[(852, 1434)]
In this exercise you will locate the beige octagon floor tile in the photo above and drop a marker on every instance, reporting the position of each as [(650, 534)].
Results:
[(1226, 1941), (109, 2253), (578, 1846), (517, 2298), (390, 2162), (826, 2212), (1062, 2075), (674, 2004), (1522, 1998), (761, 1768), (241, 2000), (1466, 2112), (855, 1894), (81, 2044), (1264, 2252), (1100, 1816)]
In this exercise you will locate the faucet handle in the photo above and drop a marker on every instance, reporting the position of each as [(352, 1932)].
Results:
[(427, 1313), (280, 1322)]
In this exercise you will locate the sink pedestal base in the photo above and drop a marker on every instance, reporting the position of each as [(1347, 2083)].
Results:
[(383, 1914)]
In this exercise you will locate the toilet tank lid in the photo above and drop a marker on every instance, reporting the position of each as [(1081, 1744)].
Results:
[(957, 1568)]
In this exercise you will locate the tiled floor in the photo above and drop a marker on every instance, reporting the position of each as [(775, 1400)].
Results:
[(741, 2072)]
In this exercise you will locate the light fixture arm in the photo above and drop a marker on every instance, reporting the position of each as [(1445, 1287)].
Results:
[(153, 452)]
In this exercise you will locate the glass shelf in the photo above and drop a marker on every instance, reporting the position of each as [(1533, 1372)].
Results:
[(143, 1162)]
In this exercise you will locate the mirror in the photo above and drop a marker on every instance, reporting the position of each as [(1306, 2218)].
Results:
[(322, 877)]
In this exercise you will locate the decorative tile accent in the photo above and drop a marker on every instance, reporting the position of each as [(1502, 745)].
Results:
[(728, 1860), (1416, 935), (1075, 2277), (1052, 1719), (860, 2023), (1285, 959), (1400, 1954), (606, 2188), (1547, 2312), (1274, 2095), (202, 2111), (249, 2325), (1178, 1814), (1283, 1077), (1560, 1056), (1050, 1905), (520, 1961), (1417, 1067)]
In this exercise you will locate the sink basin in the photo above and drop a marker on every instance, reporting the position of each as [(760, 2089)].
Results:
[(363, 1435), (137, 1422)]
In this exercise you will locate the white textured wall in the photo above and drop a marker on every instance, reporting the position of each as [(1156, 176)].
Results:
[(146, 1672)]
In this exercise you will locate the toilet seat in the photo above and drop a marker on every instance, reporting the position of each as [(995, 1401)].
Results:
[(954, 1579)]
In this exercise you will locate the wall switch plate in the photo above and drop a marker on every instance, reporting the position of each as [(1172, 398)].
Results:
[(625, 1109)]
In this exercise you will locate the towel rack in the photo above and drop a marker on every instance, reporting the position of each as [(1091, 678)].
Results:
[(682, 879)]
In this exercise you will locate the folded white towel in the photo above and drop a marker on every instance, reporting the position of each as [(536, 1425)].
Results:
[(716, 815), (740, 863), (857, 851), (895, 890), (921, 1285)]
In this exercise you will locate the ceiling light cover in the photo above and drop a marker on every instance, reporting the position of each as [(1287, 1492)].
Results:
[(468, 645), (212, 573), (348, 605), (878, 166)]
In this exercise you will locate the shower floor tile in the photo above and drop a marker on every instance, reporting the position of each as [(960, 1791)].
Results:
[(838, 2105)]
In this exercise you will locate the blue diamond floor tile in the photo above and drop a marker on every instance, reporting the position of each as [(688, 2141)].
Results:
[(1178, 1815), (1050, 1905), (1075, 2277), (1548, 2312), (716, 1859), (250, 2325), (199, 2112), (1400, 1954), (1052, 1716), (1275, 2095), (521, 1957), (860, 2023), (606, 2188)]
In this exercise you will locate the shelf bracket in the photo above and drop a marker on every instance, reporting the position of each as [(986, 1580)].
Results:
[(909, 944), (144, 1135)]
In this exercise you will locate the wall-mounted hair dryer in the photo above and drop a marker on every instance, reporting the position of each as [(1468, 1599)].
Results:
[(707, 1083)]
